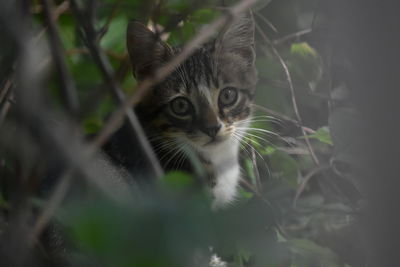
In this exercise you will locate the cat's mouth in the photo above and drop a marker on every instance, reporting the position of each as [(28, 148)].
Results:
[(214, 141)]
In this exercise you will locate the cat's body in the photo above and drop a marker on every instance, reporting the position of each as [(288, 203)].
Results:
[(202, 107)]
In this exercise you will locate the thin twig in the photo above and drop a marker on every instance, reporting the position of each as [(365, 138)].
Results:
[(57, 12), (84, 50), (291, 36), (292, 92), (305, 181), (255, 168), (50, 208), (272, 26), (203, 36), (4, 99), (68, 90)]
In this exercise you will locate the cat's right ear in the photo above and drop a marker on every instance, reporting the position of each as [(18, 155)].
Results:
[(146, 51)]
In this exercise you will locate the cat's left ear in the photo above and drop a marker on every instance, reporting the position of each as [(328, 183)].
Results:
[(146, 51), (238, 39)]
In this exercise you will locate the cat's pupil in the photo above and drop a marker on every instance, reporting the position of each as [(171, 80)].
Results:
[(228, 96)]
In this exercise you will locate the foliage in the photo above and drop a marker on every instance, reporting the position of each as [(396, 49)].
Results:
[(290, 209)]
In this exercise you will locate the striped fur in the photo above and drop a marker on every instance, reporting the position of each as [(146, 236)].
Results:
[(199, 105)]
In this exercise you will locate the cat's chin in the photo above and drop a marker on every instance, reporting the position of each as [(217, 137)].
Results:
[(215, 141), (213, 145)]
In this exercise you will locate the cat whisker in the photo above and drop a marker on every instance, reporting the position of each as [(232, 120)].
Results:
[(172, 145), (259, 130), (253, 148), (177, 152), (253, 135), (164, 145), (183, 157)]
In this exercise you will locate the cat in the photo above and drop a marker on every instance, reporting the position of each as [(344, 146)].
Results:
[(203, 106)]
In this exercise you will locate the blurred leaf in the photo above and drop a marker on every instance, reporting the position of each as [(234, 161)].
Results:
[(92, 125), (269, 150), (322, 135), (305, 64), (286, 168), (313, 253), (203, 15), (188, 30), (177, 180), (250, 171), (113, 39), (3, 202), (245, 194), (179, 5)]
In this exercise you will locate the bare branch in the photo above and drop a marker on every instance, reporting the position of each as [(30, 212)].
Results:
[(5, 97), (51, 206), (266, 21), (107, 71), (292, 92), (68, 89), (291, 36)]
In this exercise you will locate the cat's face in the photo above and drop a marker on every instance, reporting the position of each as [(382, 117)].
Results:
[(206, 101)]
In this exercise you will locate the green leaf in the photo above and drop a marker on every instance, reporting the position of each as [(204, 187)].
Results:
[(314, 253), (245, 194), (285, 167), (323, 135), (203, 16), (115, 36), (3, 202), (269, 150), (305, 64), (250, 171), (177, 180), (92, 125)]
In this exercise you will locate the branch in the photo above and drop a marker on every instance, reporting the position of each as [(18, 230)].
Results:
[(292, 93), (5, 97), (90, 36), (291, 36), (272, 26), (68, 89)]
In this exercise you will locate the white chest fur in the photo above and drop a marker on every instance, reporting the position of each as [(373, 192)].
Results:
[(224, 159)]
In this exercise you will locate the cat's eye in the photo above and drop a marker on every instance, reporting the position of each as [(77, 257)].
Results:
[(181, 106), (228, 96)]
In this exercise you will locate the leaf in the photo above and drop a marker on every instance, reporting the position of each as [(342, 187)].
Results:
[(250, 171), (313, 252), (92, 125), (177, 180), (323, 135), (115, 36), (269, 150), (286, 168), (305, 64), (3, 202), (203, 16), (245, 194)]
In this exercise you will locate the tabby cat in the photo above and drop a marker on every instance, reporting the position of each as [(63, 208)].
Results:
[(203, 106)]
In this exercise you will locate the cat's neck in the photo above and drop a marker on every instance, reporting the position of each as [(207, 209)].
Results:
[(223, 159)]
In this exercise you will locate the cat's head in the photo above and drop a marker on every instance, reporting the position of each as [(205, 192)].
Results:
[(205, 101)]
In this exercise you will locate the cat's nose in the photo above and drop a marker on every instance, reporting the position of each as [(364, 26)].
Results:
[(212, 131)]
